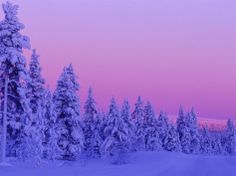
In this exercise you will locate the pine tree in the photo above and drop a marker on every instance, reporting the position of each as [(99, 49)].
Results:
[(91, 127), (49, 132), (35, 86), (152, 141), (68, 126), (115, 144), (194, 133), (206, 141), (13, 76), (184, 131), (216, 144), (36, 95), (96, 139), (126, 116), (139, 123), (171, 141), (162, 127)]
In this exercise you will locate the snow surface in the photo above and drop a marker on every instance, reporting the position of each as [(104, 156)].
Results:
[(141, 164)]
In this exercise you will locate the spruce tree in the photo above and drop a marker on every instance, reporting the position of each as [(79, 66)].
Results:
[(206, 141), (171, 141), (194, 133), (68, 126), (126, 116), (139, 123), (16, 111), (116, 132), (152, 141), (184, 131), (216, 144), (36, 95), (96, 139), (91, 127), (162, 127), (51, 149)]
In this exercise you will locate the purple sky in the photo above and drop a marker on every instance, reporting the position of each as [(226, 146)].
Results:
[(170, 52)]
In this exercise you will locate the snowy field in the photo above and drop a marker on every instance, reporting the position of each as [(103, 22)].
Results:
[(141, 164)]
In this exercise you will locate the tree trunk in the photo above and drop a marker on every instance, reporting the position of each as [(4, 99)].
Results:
[(4, 125)]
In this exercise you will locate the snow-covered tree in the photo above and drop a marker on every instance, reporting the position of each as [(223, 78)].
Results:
[(152, 141), (171, 141), (230, 138), (91, 127), (116, 132), (216, 143), (184, 131), (102, 116), (68, 127), (96, 139), (194, 133), (206, 141), (36, 95), (139, 123), (162, 127), (16, 111), (126, 116), (49, 132), (35, 86)]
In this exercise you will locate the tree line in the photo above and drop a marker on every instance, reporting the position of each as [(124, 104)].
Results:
[(37, 123)]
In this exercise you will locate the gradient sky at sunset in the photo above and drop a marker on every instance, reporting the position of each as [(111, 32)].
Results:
[(171, 52)]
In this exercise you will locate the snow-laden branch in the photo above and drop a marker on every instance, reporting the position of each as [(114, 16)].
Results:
[(10, 114), (13, 96)]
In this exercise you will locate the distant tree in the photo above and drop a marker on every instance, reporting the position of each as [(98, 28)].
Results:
[(162, 127), (230, 138), (216, 143), (184, 131), (49, 132), (70, 134), (92, 126), (116, 132), (206, 141), (194, 132), (171, 141), (96, 140), (126, 116), (139, 123), (152, 141), (35, 85), (36, 95)]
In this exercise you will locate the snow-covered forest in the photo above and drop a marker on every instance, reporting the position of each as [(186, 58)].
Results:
[(38, 124)]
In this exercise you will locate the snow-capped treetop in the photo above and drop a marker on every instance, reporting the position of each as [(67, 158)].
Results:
[(149, 114), (73, 76), (12, 43), (10, 11), (125, 113), (67, 87), (35, 84), (113, 113), (35, 68), (90, 110), (137, 115), (162, 120)]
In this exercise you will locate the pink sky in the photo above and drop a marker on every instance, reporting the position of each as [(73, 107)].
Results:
[(170, 52)]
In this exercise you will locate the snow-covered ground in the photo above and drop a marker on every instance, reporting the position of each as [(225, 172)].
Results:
[(141, 164)]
